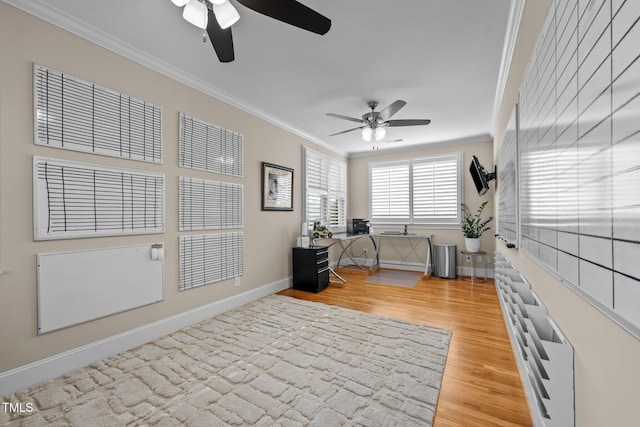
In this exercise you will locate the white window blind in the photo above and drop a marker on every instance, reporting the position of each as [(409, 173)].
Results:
[(211, 148), (337, 185), (325, 190), (77, 115), (416, 191), (390, 192), (206, 204), (73, 199), (210, 258), (435, 193)]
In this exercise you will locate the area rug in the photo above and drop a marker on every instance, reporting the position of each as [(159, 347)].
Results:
[(277, 361), (407, 279)]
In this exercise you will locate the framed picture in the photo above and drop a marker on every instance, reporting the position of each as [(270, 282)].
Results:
[(277, 188)]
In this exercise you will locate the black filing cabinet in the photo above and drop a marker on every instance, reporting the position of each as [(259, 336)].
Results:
[(310, 269)]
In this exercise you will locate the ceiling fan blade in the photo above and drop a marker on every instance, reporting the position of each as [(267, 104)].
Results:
[(292, 13), (338, 116), (391, 109), (409, 122), (222, 40), (348, 130)]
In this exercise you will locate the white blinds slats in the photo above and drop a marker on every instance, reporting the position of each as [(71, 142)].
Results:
[(77, 115), (211, 148), (325, 190), (435, 188), (390, 192), (416, 191), (73, 199), (206, 204), (210, 258)]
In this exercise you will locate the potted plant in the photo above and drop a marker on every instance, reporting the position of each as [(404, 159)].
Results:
[(473, 226)]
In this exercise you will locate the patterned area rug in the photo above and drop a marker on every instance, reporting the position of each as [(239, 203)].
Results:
[(277, 361)]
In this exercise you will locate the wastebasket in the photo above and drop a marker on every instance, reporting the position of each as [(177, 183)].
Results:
[(444, 260)]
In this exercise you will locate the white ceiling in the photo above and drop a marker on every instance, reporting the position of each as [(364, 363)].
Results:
[(443, 57)]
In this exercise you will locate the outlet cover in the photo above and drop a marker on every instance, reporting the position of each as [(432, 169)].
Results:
[(236, 281)]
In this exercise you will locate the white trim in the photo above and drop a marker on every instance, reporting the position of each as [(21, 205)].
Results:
[(417, 266), (28, 375), (511, 36)]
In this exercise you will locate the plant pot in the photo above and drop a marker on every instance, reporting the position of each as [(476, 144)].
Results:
[(472, 244)]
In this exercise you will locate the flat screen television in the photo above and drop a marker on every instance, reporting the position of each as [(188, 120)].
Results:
[(480, 176)]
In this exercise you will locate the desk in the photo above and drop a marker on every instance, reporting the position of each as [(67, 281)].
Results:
[(345, 242)]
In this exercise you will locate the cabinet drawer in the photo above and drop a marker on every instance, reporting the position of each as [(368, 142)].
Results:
[(322, 255), (322, 264)]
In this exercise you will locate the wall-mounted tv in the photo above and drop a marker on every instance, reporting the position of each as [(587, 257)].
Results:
[(480, 176)]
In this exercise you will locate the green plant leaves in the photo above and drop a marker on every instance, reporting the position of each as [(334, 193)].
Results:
[(473, 225)]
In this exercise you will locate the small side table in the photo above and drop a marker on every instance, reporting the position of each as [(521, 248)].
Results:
[(474, 265)]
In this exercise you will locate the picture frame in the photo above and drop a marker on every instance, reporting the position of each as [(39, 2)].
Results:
[(277, 187)]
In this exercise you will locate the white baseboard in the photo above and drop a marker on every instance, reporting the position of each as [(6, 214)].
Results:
[(413, 266), (37, 372)]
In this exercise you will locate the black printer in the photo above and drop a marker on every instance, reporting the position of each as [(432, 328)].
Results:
[(358, 226)]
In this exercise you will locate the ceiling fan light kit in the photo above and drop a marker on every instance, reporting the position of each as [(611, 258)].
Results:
[(226, 14), (195, 13), (201, 13), (367, 132), (374, 123)]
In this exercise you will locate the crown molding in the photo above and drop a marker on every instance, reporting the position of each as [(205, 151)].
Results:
[(511, 36)]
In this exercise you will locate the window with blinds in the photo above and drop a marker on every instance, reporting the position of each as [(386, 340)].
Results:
[(390, 192), (208, 204), (208, 147), (73, 199), (210, 258), (416, 191), (325, 190), (77, 115)]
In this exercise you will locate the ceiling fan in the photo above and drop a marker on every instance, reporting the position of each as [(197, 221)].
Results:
[(373, 123), (217, 17)]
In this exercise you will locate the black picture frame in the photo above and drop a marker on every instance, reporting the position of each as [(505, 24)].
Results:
[(277, 187)]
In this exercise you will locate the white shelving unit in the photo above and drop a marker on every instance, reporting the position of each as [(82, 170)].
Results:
[(543, 353)]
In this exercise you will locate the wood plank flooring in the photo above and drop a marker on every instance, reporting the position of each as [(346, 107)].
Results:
[(481, 384)]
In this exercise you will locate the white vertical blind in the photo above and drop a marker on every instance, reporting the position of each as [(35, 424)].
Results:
[(73, 199), (416, 191), (325, 190), (77, 115), (210, 258), (206, 204), (209, 147)]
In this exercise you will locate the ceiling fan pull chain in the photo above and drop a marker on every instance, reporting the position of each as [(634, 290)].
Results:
[(204, 19)]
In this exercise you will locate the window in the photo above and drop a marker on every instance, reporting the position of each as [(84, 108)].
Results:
[(325, 183), (416, 191)]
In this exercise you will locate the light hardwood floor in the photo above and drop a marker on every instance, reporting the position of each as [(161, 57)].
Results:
[(481, 384)]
